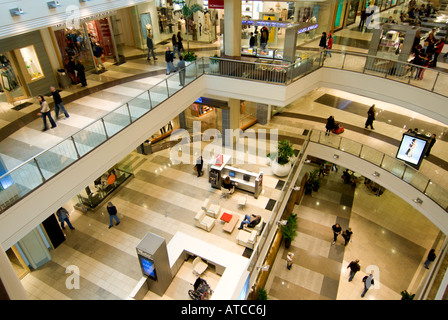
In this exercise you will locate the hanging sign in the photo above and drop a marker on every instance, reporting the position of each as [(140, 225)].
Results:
[(216, 4)]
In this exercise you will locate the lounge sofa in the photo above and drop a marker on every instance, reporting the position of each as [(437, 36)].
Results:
[(201, 220)]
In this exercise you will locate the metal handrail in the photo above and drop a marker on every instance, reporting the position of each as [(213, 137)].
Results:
[(289, 70)]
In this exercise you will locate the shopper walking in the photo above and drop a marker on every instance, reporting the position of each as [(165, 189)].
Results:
[(437, 51), (112, 210), (289, 260), (179, 42), (354, 267), (181, 70), (431, 257), (169, 58), (336, 231), (98, 54), (199, 165), (79, 67), (62, 215), (363, 19), (330, 125), (150, 45), (58, 104), (175, 46), (431, 144), (323, 42), (368, 282), (45, 112), (370, 117), (329, 45), (252, 40), (347, 235)]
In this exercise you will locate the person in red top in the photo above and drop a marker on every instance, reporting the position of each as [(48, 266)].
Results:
[(439, 46), (329, 45)]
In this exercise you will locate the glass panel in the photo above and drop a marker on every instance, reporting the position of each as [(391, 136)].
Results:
[(174, 82), (139, 105), (350, 146), (331, 141), (89, 138), (416, 179), (158, 93), (18, 183), (372, 155), (441, 84), (336, 61), (116, 120), (394, 166), (438, 194), (315, 135), (190, 72), (57, 158), (354, 63), (424, 78)]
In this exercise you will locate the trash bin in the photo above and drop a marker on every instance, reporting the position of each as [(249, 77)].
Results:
[(145, 148), (63, 79)]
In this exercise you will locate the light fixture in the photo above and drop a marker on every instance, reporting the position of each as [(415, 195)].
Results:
[(16, 12), (418, 200), (335, 156), (83, 0), (53, 4), (264, 267), (376, 174)]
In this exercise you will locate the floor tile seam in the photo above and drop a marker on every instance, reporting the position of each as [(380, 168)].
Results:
[(95, 266), (43, 286), (299, 275)]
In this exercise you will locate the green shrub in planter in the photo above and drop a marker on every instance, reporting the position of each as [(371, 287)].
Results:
[(190, 56)]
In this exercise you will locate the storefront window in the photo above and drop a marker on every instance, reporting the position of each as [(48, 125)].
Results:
[(353, 8), (31, 62)]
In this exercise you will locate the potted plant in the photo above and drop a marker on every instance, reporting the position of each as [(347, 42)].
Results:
[(189, 56), (289, 230), (262, 294), (281, 165), (405, 295), (188, 9), (313, 182), (214, 63)]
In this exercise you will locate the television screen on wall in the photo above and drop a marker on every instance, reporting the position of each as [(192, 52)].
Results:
[(148, 267), (412, 149)]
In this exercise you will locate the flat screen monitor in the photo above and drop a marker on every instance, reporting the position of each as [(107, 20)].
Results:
[(232, 174), (148, 267), (412, 149)]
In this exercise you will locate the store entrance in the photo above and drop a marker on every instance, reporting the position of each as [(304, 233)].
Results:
[(11, 89), (17, 262)]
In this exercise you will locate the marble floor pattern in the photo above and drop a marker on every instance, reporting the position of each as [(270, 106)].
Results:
[(163, 199)]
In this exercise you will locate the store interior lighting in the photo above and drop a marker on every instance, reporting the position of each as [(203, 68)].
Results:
[(16, 12), (53, 4)]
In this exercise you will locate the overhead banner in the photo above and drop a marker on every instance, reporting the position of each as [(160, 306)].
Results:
[(216, 4)]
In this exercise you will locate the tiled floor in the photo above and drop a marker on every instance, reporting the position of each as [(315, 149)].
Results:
[(163, 198)]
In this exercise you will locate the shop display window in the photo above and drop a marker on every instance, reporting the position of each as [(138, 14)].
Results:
[(31, 62)]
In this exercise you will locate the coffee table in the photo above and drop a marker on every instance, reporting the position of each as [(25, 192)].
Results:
[(230, 221)]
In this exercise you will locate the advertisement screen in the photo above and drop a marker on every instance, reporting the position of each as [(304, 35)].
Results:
[(412, 149), (148, 267)]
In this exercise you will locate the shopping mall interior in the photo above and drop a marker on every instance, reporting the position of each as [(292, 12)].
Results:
[(155, 194)]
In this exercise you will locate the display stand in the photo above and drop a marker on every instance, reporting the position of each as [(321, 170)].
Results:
[(390, 42)]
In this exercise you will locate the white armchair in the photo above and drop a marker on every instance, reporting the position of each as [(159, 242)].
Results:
[(201, 220), (199, 266), (247, 239), (258, 227), (211, 209)]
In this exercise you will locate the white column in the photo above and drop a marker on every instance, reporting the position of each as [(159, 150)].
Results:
[(9, 278), (232, 27)]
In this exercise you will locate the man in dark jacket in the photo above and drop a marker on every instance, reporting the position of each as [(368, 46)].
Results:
[(169, 58), (354, 267), (150, 45), (58, 105)]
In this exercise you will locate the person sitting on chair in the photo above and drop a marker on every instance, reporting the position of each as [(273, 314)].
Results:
[(228, 184), (250, 221)]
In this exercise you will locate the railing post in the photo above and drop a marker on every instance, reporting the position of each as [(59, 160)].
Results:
[(427, 185), (129, 112), (40, 171), (360, 151), (382, 160), (404, 171), (150, 102), (343, 61), (76, 149), (435, 81), (167, 89), (104, 126)]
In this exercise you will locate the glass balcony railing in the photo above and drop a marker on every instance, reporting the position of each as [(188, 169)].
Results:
[(392, 165), (18, 182)]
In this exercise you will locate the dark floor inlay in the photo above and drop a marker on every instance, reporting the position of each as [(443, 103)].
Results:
[(271, 204), (22, 105), (280, 185)]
